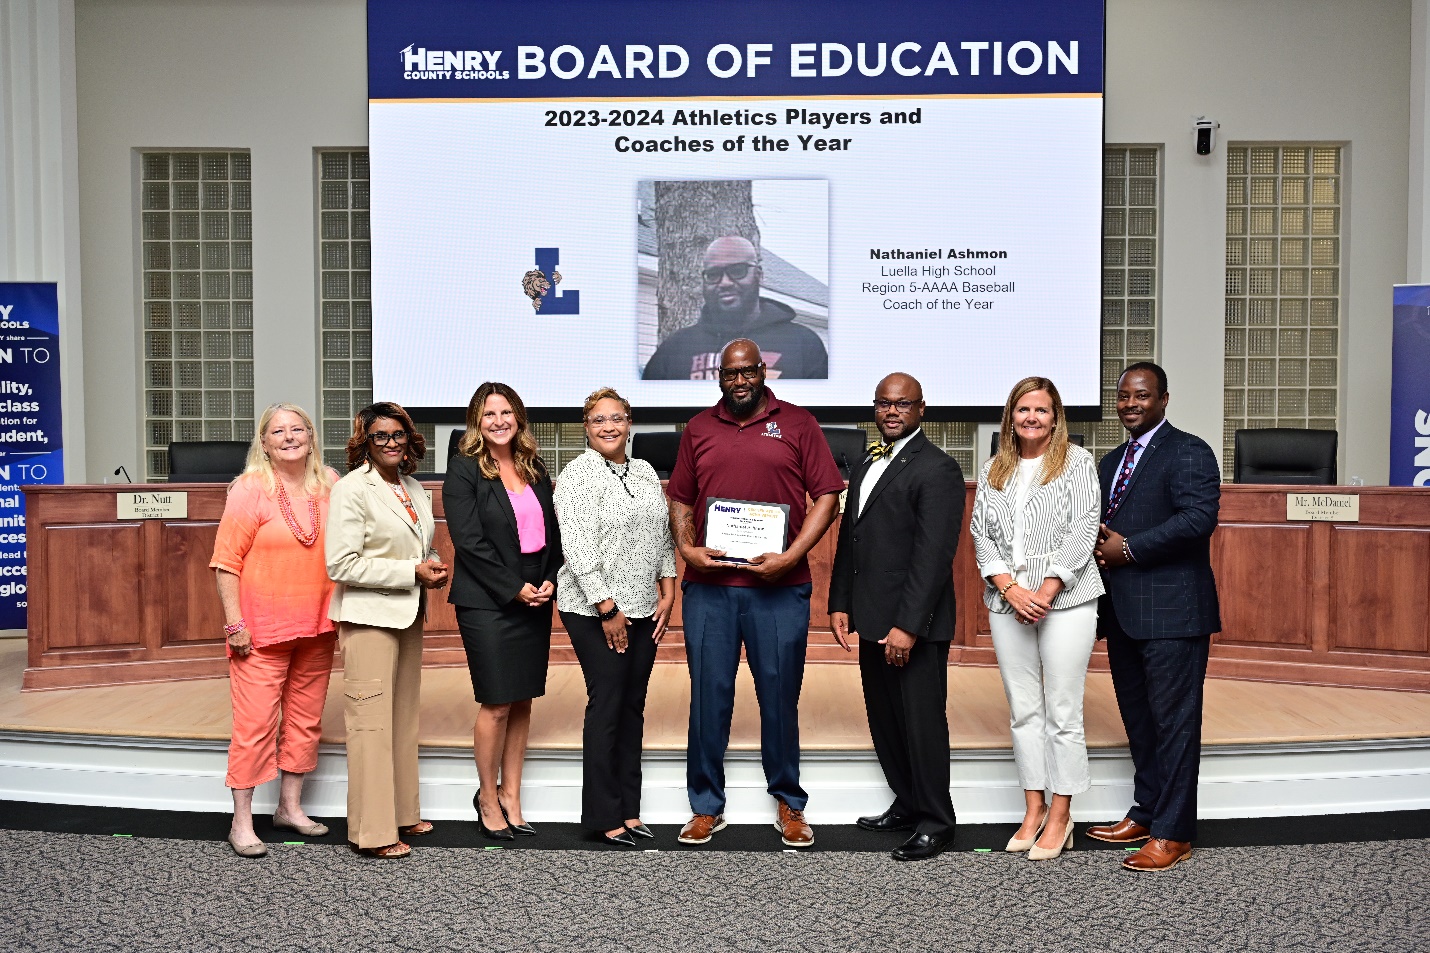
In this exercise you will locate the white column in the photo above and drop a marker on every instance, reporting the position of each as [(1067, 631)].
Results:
[(39, 181), (1418, 244)]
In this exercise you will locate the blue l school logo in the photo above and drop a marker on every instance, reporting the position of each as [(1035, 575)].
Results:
[(772, 429), (539, 284)]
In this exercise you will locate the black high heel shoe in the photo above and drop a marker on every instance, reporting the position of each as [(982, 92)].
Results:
[(504, 833), (623, 839), (640, 830), (526, 830)]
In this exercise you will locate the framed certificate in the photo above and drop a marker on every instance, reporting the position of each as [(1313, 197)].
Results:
[(744, 529)]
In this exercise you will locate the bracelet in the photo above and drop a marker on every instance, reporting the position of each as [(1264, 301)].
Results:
[(1002, 593), (1126, 552), (236, 628), (608, 616)]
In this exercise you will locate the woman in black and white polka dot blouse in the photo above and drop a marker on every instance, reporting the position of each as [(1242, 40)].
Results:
[(615, 595)]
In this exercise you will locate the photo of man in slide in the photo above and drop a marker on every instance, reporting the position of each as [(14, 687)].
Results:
[(730, 281)]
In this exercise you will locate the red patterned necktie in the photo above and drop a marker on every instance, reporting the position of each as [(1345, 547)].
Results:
[(1123, 478)]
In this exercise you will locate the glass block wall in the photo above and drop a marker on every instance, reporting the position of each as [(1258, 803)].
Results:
[(197, 300), (1130, 289), (559, 443), (1283, 257), (952, 437), (345, 298), (345, 304)]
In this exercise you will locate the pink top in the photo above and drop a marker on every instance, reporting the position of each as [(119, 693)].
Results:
[(530, 521), (283, 586)]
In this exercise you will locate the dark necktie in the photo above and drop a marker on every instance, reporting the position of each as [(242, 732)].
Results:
[(1120, 489)]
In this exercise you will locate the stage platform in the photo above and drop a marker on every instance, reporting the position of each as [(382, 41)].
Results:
[(1268, 749)]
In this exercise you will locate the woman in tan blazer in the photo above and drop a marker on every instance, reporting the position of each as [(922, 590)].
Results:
[(379, 552)]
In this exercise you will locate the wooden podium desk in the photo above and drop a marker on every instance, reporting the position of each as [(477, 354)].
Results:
[(132, 600)]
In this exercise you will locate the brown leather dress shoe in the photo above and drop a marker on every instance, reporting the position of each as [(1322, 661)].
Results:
[(1125, 831), (1158, 854), (793, 830), (700, 828)]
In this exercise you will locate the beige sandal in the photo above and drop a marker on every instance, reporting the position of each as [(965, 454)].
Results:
[(388, 852)]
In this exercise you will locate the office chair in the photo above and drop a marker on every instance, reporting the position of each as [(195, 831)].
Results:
[(206, 461), (849, 445), (658, 448), (1285, 455)]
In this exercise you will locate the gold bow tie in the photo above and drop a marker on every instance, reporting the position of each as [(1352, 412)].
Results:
[(880, 450)]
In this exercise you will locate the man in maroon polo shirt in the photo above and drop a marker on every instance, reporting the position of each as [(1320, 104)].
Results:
[(754, 447)]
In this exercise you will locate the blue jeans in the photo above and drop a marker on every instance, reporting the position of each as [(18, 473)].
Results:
[(773, 624)]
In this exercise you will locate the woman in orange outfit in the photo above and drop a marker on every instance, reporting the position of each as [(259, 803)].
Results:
[(273, 582)]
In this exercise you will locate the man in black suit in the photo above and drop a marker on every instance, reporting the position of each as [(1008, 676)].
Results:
[(892, 590), (1161, 492)]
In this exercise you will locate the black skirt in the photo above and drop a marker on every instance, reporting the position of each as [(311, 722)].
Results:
[(507, 648)]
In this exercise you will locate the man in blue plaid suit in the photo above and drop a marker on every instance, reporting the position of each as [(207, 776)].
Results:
[(1161, 492)]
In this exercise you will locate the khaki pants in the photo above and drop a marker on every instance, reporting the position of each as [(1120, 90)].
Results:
[(382, 687)]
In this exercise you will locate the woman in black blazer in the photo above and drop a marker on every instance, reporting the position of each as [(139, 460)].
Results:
[(497, 496)]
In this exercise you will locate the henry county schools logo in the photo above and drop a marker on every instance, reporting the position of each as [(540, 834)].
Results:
[(539, 285), (423, 63), (772, 429)]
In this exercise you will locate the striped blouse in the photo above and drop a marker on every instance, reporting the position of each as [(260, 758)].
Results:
[(1060, 522)]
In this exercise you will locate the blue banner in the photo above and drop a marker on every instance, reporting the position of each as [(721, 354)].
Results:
[(1410, 388), (31, 443), (652, 49)]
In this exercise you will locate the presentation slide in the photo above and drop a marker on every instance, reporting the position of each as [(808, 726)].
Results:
[(567, 195)]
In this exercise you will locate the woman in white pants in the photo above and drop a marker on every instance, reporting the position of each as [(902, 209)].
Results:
[(1034, 526)]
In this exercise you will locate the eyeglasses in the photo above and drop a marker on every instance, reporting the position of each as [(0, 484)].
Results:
[(616, 419), (904, 406), (750, 372), (739, 271), (383, 439)]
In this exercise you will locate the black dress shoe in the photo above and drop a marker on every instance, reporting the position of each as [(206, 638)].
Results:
[(890, 820), (504, 833), (922, 847), (623, 839), (640, 830), (525, 830)]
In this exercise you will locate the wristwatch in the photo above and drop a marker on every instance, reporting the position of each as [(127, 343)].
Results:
[(608, 616)]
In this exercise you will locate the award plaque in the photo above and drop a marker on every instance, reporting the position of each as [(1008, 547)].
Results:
[(744, 529)]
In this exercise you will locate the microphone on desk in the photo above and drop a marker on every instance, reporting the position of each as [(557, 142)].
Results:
[(120, 469)]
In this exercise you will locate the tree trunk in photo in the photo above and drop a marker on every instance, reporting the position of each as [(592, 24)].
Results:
[(688, 217)]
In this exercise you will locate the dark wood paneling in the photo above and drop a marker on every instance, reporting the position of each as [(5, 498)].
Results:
[(1342, 605), (93, 676), (821, 567), (90, 589), (192, 612), (441, 616), (1263, 582), (1381, 589)]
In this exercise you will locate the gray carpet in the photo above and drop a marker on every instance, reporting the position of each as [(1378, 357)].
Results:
[(95, 893)]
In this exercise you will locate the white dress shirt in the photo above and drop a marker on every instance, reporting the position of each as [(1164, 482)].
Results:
[(876, 470), (1027, 476), (1145, 439)]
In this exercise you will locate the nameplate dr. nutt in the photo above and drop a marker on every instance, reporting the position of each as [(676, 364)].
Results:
[(167, 504)]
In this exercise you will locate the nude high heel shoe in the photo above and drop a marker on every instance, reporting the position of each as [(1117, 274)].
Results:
[(1048, 853), (1017, 846)]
